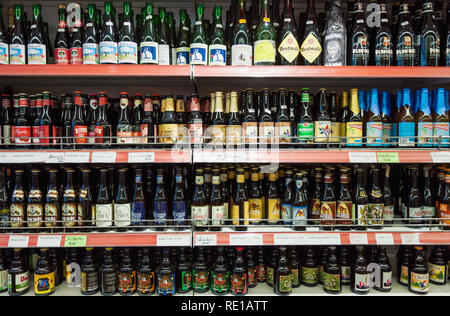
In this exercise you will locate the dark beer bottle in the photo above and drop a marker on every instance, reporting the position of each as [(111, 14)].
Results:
[(184, 273), (35, 207), (127, 44), (18, 275), (335, 38), (85, 205), (300, 211), (62, 39), (216, 202), (79, 126), (17, 48), (384, 54), (404, 264), (344, 262), (444, 202), (376, 206), (124, 129), (288, 47), (388, 197), (220, 276), (238, 275), (108, 274), (266, 120), (108, 39), (360, 275), (18, 204), (199, 207), (148, 49), (160, 201), (316, 196), (89, 274), (4, 204), (287, 198), (311, 47), (122, 205), (145, 275), (251, 269), (69, 202), (322, 119), (310, 269), (126, 274), (361, 202), (103, 205), (359, 40), (345, 207), (384, 272), (283, 128), (282, 276), (44, 276), (76, 46), (328, 201), (91, 117), (332, 273), (406, 50), (437, 266), (241, 39), (429, 38), (415, 199), (102, 124), (201, 273), (165, 276), (138, 205), (22, 126), (419, 277)]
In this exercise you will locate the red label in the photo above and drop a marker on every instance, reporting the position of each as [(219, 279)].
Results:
[(36, 133), (44, 134), (144, 133), (62, 25), (22, 134), (196, 133), (23, 102), (148, 105), (99, 133), (57, 132), (13, 134), (76, 56), (80, 133)]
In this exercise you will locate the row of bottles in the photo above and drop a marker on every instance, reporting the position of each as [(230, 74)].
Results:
[(260, 36), (283, 117), (220, 270), (214, 197)]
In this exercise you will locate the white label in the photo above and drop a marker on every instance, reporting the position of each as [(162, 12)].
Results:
[(17, 54), (358, 239), (54, 158), (362, 157), (103, 157), (48, 241), (206, 240), (217, 215), (164, 240), (122, 214), (384, 239), (246, 239), (217, 55), (198, 54), (91, 54), (77, 157), (164, 54), (37, 54), (27, 157), (141, 157), (410, 239), (289, 239), (103, 215), (4, 54), (108, 52), (200, 214), (18, 241), (441, 157), (241, 55), (323, 239), (127, 53), (149, 53)]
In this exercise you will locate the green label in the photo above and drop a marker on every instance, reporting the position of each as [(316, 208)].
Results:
[(331, 282), (186, 280), (269, 275), (310, 275), (320, 274), (285, 284), (220, 282), (437, 273), (201, 280), (305, 131), (387, 157), (75, 241), (294, 276), (3, 280)]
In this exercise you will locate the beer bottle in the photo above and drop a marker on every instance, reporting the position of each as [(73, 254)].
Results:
[(76, 47), (273, 201), (316, 196), (264, 50), (260, 266), (91, 37), (138, 207), (374, 122), (22, 126), (126, 274), (145, 275), (251, 269), (165, 275), (322, 119), (168, 125), (18, 204), (7, 123), (359, 41), (419, 277), (69, 202), (216, 202), (164, 53), (160, 201), (37, 46), (44, 276), (122, 205), (217, 46), (406, 51), (249, 120), (266, 120), (415, 199), (404, 265), (181, 117), (255, 200), (305, 124), (148, 124), (199, 40), (309, 269), (127, 37), (103, 206), (241, 40), (44, 121), (218, 121), (299, 203), (4, 204), (328, 201), (108, 37), (376, 206), (429, 199), (384, 55), (184, 39), (36, 102), (354, 125), (184, 273), (201, 273), (335, 38), (220, 275), (344, 262), (62, 39), (287, 200), (4, 41), (429, 38), (441, 118), (89, 274), (67, 131), (387, 117), (238, 275), (361, 215), (437, 266), (288, 47), (17, 50), (79, 126), (35, 207), (149, 48), (323, 257), (199, 207), (91, 117), (283, 128), (335, 127), (444, 201), (240, 204), (195, 121), (332, 273), (388, 197), (179, 207), (424, 120), (137, 114), (282, 277), (311, 47), (406, 121), (384, 280), (360, 275), (124, 127), (344, 112), (3, 272), (102, 128), (108, 274), (18, 275), (344, 210)]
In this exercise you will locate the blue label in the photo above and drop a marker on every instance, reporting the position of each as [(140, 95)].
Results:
[(37, 54), (108, 52), (217, 55), (198, 54), (442, 129), (166, 284), (17, 54), (406, 134), (182, 56), (4, 53), (286, 213), (374, 132), (138, 213), (179, 212), (127, 53), (160, 212), (149, 53), (90, 54), (387, 134), (299, 214)]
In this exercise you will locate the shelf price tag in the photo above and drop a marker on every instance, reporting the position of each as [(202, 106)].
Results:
[(384, 157), (290, 239), (358, 239), (141, 157), (410, 239), (384, 239), (198, 156), (47, 241), (323, 239), (76, 157), (173, 240), (75, 241), (246, 239), (54, 158), (27, 157), (362, 157), (441, 156), (206, 239), (18, 241), (103, 157)]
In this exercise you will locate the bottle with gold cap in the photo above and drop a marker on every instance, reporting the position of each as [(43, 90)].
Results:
[(273, 200), (240, 208), (255, 200), (344, 114), (234, 129), (199, 207), (218, 122), (216, 202), (44, 276), (354, 125), (168, 125)]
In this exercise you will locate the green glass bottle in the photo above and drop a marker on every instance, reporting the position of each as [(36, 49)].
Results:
[(37, 46), (149, 42), (184, 40), (108, 39), (172, 37), (241, 40), (199, 46), (264, 51), (288, 47), (127, 37), (217, 46), (90, 41), (164, 40)]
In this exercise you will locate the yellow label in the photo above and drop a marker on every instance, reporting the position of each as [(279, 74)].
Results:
[(264, 51), (218, 133), (266, 20), (246, 212), (289, 48), (322, 131), (354, 130), (311, 48), (242, 21), (343, 129), (335, 132), (437, 273), (255, 209), (233, 134), (182, 132), (235, 213), (273, 213), (168, 132), (44, 283)]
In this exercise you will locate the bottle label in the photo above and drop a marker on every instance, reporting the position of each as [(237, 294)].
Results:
[(103, 215), (22, 282), (127, 281), (198, 54), (37, 54), (405, 131), (346, 274), (386, 280), (7, 134), (196, 133), (354, 131), (261, 273), (90, 54), (335, 46), (273, 210), (327, 212), (241, 55), (286, 213), (419, 282), (200, 214), (344, 213), (137, 213), (383, 50), (374, 132), (264, 51), (388, 213), (437, 273), (166, 284), (44, 283), (179, 211), (17, 54), (429, 211), (149, 53), (444, 213), (218, 133), (160, 212), (17, 215), (406, 52), (168, 133), (22, 135), (80, 133), (283, 132), (217, 55), (376, 214), (415, 212), (425, 133), (62, 56), (173, 55), (4, 218), (335, 132), (3, 280), (311, 48), (404, 276), (145, 282), (220, 282), (255, 206), (295, 277), (76, 55), (266, 132), (234, 134), (315, 208), (122, 214), (362, 282), (251, 276), (201, 280), (310, 275), (250, 132), (186, 280), (363, 214), (235, 214), (299, 215), (182, 55), (4, 54), (441, 129), (285, 283), (269, 275), (332, 282), (127, 53), (108, 52), (238, 283), (217, 214), (289, 48), (429, 49), (68, 214), (164, 54), (360, 49), (387, 133), (35, 215), (322, 131)]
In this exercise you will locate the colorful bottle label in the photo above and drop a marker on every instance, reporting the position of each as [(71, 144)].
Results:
[(332, 282), (315, 208), (354, 133), (196, 133), (286, 213), (137, 213), (37, 54), (404, 275), (80, 133), (428, 211), (327, 212), (322, 131), (217, 55), (255, 206), (160, 212), (168, 133), (186, 280), (346, 274), (17, 54), (406, 134), (310, 275), (442, 129), (386, 279), (387, 134), (283, 132), (200, 214), (437, 273), (44, 283), (166, 284), (299, 215), (295, 277), (425, 134), (182, 55), (3, 280), (149, 53), (201, 280), (362, 282), (127, 281), (220, 282), (420, 282), (335, 132), (164, 54), (285, 284), (22, 282), (289, 48), (4, 54), (35, 215), (344, 212), (127, 53), (388, 213), (198, 54), (217, 214), (241, 55), (90, 54), (179, 211), (250, 132), (273, 210), (238, 283), (374, 131), (264, 51), (406, 52), (305, 132), (145, 282), (362, 214), (376, 214), (108, 52), (22, 135), (76, 55)]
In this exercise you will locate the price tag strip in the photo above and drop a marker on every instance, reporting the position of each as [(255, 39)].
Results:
[(385, 239), (362, 157), (48, 241), (54, 158), (358, 239), (75, 241), (76, 157), (175, 240), (206, 240), (18, 241), (441, 156), (410, 239), (141, 157), (246, 239), (385, 157), (302, 239), (103, 157)]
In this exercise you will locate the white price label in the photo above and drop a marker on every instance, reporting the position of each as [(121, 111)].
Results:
[(141, 157), (441, 156), (47, 241), (103, 157), (199, 156), (362, 157), (18, 241), (246, 239), (235, 156), (54, 158), (290, 239), (76, 157), (384, 239), (410, 239), (358, 239), (28, 157), (176, 240), (206, 240), (323, 239)]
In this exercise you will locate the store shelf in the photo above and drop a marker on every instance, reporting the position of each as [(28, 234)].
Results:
[(127, 239), (96, 156)]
